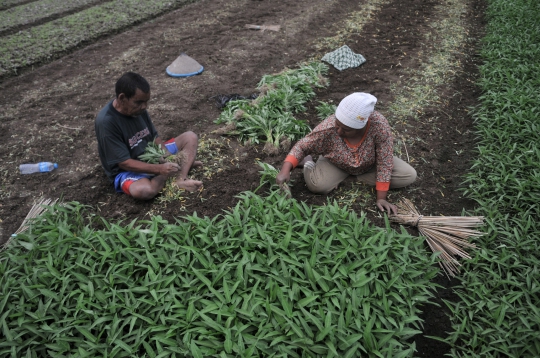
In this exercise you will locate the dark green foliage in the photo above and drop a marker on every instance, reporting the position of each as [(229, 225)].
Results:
[(324, 110), (272, 277), (270, 117), (498, 314)]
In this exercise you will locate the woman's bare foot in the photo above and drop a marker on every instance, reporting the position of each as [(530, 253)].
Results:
[(308, 158), (189, 184)]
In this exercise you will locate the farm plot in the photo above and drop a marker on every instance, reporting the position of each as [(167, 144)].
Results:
[(38, 11), (497, 314), (49, 110), (43, 42), (331, 285)]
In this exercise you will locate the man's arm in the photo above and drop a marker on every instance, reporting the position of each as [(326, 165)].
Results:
[(137, 166)]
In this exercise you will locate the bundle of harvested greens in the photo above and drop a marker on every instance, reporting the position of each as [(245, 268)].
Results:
[(270, 117), (155, 154), (445, 234)]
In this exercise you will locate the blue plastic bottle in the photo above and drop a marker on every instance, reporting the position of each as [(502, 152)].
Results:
[(37, 167)]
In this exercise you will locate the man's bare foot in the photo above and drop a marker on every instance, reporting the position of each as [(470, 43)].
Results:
[(196, 164), (189, 184), (308, 158)]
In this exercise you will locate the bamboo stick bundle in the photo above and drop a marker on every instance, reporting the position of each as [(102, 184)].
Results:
[(448, 235), (36, 210)]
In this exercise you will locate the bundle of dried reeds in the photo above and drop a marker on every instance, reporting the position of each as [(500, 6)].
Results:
[(264, 27), (448, 235), (34, 212)]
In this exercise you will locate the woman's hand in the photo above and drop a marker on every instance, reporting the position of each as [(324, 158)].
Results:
[(384, 205), (283, 177), (285, 174)]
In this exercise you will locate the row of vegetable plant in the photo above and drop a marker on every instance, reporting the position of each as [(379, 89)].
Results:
[(270, 117), (498, 314), (43, 42), (10, 3), (38, 10), (272, 277)]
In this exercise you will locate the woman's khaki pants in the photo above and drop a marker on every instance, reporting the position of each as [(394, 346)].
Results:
[(322, 177)]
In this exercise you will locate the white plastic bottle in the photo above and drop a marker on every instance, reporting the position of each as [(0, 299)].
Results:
[(41, 167)]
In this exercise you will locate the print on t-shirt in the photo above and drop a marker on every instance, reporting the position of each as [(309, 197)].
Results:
[(137, 138)]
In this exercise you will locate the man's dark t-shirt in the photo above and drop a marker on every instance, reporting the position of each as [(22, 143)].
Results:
[(121, 137)]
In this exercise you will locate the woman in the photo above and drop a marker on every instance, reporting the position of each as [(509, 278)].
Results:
[(356, 140)]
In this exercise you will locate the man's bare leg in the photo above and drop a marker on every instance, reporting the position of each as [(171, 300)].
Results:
[(147, 188), (188, 142)]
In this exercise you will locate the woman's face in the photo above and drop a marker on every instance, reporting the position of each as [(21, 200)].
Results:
[(344, 131)]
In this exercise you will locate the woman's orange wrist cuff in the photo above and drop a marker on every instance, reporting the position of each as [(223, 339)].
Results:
[(292, 160), (381, 186)]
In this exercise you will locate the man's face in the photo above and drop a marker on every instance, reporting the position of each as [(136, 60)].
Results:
[(135, 105)]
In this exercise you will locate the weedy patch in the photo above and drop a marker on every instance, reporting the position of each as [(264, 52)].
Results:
[(171, 193), (217, 155), (350, 26), (332, 284), (270, 117), (358, 194), (421, 89), (127, 59)]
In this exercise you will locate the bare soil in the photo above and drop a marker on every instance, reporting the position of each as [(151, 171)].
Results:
[(48, 112)]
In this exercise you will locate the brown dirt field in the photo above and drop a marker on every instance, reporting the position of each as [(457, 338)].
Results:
[(48, 111)]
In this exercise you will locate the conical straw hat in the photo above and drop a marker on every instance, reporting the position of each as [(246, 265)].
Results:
[(184, 66)]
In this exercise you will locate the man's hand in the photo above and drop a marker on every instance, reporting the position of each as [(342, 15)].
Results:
[(384, 205), (168, 169)]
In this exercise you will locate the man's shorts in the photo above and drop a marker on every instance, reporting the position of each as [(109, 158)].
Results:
[(123, 181), (171, 146)]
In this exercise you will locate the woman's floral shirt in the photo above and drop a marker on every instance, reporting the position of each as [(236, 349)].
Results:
[(375, 148)]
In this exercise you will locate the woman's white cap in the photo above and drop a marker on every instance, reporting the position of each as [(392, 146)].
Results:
[(355, 109)]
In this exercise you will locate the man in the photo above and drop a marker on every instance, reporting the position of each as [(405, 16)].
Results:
[(124, 129), (356, 140)]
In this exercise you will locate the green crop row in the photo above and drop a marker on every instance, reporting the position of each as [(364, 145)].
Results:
[(270, 117), (29, 13), (272, 277), (41, 43), (499, 311), (8, 3)]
